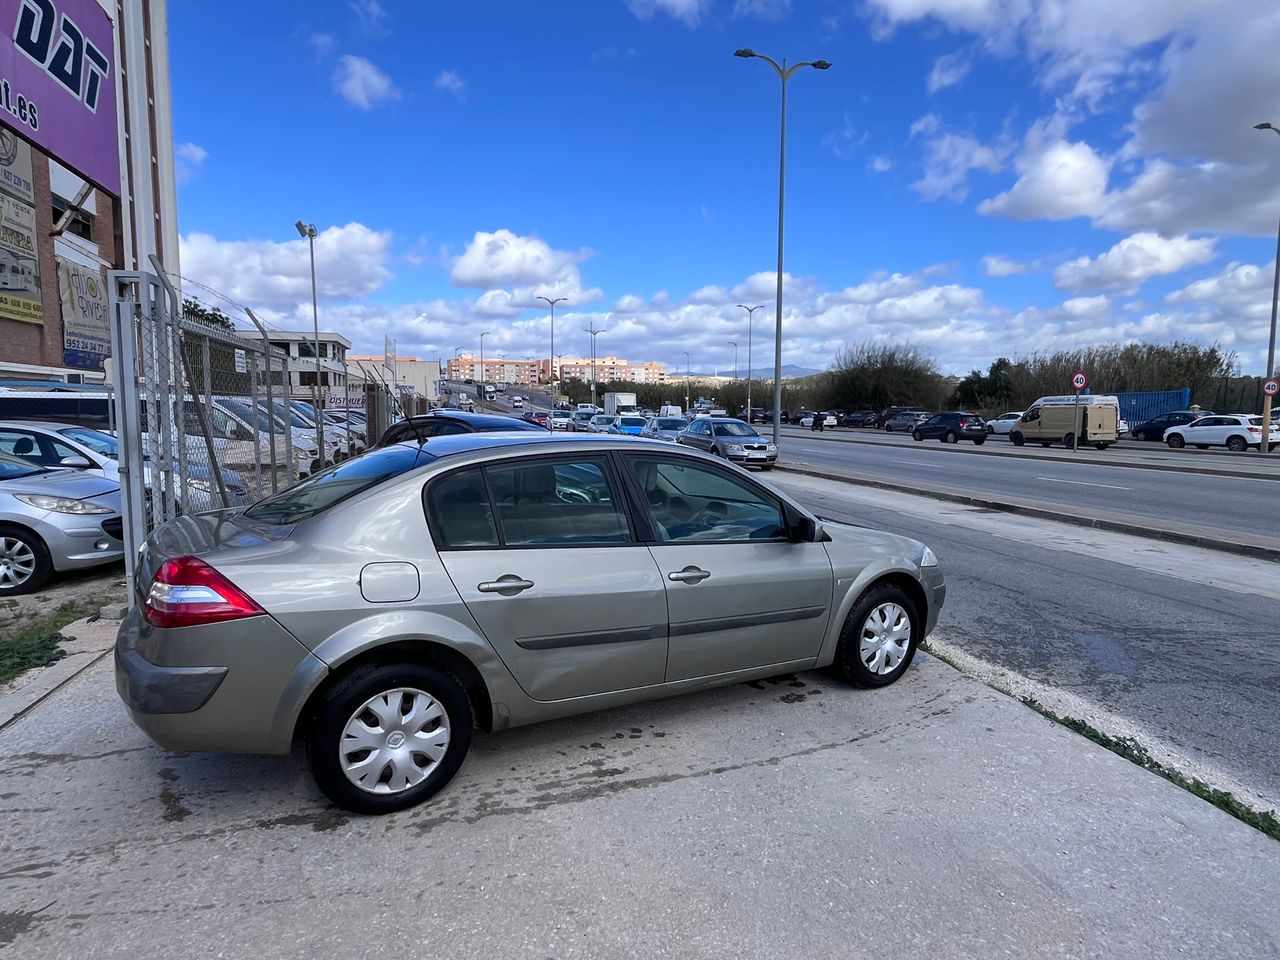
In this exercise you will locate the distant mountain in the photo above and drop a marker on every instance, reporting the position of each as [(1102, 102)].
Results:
[(789, 371)]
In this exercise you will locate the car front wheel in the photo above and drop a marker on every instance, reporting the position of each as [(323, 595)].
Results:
[(917, 435), (24, 562), (879, 637), (951, 437), (1017, 438), (1176, 441), (388, 737)]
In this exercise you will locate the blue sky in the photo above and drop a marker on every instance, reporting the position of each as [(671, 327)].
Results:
[(978, 177)]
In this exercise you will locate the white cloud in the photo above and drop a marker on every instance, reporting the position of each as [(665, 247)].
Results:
[(503, 258), (994, 265), (1132, 262), (881, 164), (764, 9), (948, 161), (362, 84), (189, 160), (927, 124), (688, 12), (1057, 181), (372, 16), (450, 81), (948, 70), (351, 262), (845, 141), (322, 44)]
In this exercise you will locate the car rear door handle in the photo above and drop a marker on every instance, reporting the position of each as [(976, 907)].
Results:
[(689, 574), (508, 585)]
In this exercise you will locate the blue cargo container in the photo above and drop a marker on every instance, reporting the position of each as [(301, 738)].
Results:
[(1138, 408)]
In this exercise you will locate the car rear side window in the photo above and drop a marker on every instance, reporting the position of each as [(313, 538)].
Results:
[(459, 511), (558, 503)]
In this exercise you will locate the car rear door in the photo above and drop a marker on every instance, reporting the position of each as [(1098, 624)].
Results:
[(543, 553), (740, 594)]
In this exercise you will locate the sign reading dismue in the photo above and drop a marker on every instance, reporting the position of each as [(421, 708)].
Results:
[(58, 83)]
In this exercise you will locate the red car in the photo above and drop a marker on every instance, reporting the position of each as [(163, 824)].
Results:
[(542, 419)]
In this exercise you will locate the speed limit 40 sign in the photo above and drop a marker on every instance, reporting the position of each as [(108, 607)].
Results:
[(1271, 387), (1079, 380)]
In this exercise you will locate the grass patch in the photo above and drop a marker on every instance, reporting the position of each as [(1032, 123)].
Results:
[(34, 642)]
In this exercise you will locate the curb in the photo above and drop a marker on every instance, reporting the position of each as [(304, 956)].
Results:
[(49, 680), (1256, 551), (1163, 467)]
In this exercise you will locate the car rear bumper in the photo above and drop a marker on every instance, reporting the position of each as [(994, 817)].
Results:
[(236, 687)]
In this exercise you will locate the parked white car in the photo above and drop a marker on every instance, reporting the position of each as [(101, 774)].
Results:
[(1238, 431), (827, 421), (1003, 424)]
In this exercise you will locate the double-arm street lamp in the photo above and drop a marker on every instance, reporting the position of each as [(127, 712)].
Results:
[(482, 376), (595, 332), (784, 73), (1265, 445), (687, 381), (552, 304), (750, 316), (734, 344), (308, 232)]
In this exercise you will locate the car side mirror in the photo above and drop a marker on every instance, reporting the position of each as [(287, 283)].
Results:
[(78, 463), (801, 527)]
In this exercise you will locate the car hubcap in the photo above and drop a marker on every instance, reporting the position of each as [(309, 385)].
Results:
[(17, 562), (394, 741), (886, 637)]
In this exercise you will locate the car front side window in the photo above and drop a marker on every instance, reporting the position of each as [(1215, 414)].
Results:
[(696, 502)]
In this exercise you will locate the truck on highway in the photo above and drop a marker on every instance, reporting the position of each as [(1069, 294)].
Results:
[(490, 394), (616, 404)]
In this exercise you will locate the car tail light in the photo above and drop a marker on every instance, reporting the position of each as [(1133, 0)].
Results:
[(187, 592), (1255, 429), (964, 423)]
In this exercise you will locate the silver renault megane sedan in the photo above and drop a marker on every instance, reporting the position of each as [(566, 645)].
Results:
[(382, 608)]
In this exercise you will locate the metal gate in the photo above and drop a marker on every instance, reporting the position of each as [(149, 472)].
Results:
[(201, 411)]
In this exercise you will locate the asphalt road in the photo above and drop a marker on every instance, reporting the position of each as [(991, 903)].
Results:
[(1229, 504), (1144, 629)]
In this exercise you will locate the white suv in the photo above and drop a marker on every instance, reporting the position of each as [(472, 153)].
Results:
[(1237, 432)]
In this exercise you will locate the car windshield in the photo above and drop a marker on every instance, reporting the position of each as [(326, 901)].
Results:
[(11, 468), (95, 440), (295, 418), (259, 418), (671, 424), (322, 490), (735, 429)]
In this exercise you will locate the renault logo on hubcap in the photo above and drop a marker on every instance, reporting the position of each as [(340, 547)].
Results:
[(395, 739)]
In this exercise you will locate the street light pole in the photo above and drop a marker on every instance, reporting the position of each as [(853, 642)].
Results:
[(1265, 445), (552, 304), (734, 344), (784, 74), (687, 383), (750, 316), (592, 329), (482, 377), (308, 232)]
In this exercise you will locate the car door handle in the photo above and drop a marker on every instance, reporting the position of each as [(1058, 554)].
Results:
[(508, 585), (689, 574)]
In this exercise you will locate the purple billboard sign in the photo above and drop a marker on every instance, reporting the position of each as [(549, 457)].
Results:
[(58, 83)]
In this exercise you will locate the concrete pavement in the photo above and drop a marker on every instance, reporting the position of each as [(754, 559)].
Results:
[(796, 818)]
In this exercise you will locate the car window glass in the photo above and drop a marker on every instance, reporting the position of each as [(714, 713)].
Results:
[(691, 501), (551, 503), (459, 513), (1032, 414)]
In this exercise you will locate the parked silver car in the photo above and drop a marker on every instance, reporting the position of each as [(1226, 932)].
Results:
[(382, 607), (53, 521), (664, 428)]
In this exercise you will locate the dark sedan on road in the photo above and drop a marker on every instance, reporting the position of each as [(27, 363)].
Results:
[(441, 424), (860, 418), (1154, 428), (731, 439), (952, 428)]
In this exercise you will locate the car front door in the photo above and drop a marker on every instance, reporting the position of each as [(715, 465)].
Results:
[(543, 553), (740, 594), (1210, 430), (933, 427)]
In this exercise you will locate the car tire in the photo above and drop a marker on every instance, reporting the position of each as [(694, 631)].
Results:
[(979, 441), (1202, 446), (1017, 439), (888, 429), (917, 436), (1069, 440), (1237, 444), (341, 707), (1176, 441), (25, 564), (950, 437), (869, 664)]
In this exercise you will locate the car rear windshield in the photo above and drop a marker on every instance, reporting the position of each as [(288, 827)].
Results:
[(322, 490), (633, 421)]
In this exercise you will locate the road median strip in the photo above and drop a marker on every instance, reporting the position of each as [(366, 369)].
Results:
[(1237, 543)]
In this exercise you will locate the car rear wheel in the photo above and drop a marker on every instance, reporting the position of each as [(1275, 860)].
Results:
[(879, 637), (917, 435), (388, 737), (1069, 440), (1237, 444), (1176, 441), (24, 562), (979, 441), (1017, 438)]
